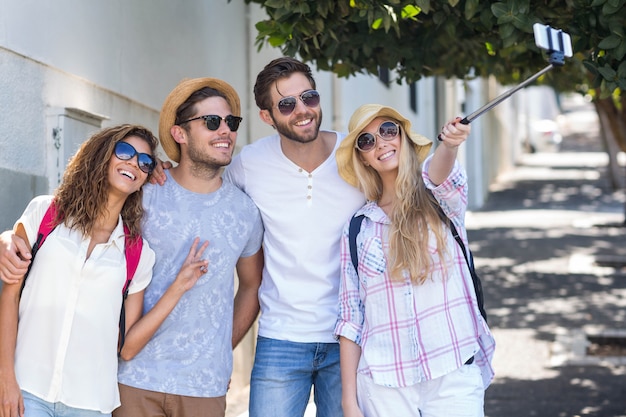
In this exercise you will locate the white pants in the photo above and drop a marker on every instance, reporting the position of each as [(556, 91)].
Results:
[(457, 394)]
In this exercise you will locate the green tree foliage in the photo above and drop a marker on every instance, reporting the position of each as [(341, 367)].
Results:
[(449, 37)]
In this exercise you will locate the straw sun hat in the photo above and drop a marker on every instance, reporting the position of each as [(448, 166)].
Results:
[(178, 96), (359, 120)]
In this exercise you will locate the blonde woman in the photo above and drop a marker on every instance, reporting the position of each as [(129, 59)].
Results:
[(412, 339)]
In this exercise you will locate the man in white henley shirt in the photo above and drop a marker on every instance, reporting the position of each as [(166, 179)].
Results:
[(292, 177)]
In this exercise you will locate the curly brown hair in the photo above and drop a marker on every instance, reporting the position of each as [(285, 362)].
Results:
[(82, 196)]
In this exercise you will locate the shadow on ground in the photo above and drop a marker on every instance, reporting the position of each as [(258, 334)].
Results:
[(542, 243), (576, 391)]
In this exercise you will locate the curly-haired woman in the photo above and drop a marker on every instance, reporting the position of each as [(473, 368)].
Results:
[(59, 329)]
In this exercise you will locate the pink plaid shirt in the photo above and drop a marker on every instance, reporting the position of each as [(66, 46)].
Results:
[(412, 333)]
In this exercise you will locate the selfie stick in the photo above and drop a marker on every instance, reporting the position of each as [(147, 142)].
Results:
[(556, 58)]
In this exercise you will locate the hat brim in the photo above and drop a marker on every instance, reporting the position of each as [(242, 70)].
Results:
[(359, 120), (178, 96)]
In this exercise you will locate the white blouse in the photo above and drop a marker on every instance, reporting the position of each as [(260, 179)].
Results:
[(69, 314)]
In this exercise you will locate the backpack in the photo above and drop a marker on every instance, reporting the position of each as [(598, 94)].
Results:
[(355, 228), (132, 252)]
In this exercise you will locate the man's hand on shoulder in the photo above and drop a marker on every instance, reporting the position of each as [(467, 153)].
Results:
[(14, 257), (158, 175)]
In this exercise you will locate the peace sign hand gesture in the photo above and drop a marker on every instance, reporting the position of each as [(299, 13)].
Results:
[(193, 266)]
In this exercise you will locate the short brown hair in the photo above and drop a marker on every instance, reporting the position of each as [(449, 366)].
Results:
[(275, 70)]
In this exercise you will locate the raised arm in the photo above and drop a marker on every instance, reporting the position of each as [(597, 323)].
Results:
[(453, 134), (249, 272)]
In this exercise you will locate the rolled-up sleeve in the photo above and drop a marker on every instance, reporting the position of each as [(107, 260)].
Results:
[(452, 193), (351, 312), (143, 274)]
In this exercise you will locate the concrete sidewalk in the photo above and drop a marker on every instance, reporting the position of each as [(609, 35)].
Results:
[(551, 249)]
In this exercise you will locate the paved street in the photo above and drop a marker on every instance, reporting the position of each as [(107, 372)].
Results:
[(551, 249)]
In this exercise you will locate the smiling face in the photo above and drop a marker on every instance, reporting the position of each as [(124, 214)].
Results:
[(303, 124), (206, 148), (385, 156), (125, 175)]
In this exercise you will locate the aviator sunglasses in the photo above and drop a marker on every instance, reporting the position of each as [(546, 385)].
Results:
[(310, 98), (124, 151), (387, 131), (212, 121)]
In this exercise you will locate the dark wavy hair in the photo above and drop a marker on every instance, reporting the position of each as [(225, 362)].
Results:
[(275, 70), (82, 196)]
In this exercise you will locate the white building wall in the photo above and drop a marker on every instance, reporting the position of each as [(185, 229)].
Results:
[(353, 92), (116, 59), (138, 48)]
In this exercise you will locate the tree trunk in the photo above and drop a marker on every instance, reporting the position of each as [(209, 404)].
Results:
[(622, 142), (607, 135), (613, 133)]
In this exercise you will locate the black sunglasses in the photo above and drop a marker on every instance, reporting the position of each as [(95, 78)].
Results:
[(213, 121), (125, 151), (310, 98), (367, 141)]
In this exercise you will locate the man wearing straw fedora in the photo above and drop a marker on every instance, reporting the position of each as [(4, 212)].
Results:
[(185, 368), (292, 177)]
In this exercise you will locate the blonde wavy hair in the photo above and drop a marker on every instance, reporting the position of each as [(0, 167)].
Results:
[(414, 213), (82, 196)]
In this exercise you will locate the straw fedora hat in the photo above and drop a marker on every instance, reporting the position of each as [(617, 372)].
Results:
[(178, 96), (359, 120)]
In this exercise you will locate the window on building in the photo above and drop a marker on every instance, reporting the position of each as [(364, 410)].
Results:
[(383, 76), (413, 97), (71, 127)]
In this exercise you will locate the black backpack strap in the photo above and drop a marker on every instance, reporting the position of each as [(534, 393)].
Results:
[(469, 259), (46, 227), (353, 231), (355, 228), (478, 288)]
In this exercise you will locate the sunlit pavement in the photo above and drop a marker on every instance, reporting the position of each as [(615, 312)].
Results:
[(537, 244), (551, 249)]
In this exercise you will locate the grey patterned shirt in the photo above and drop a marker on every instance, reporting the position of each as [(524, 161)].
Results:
[(191, 354)]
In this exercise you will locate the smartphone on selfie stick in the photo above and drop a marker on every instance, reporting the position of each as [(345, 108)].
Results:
[(556, 42)]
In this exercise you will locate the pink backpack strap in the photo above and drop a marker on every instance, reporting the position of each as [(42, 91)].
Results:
[(132, 252), (46, 227)]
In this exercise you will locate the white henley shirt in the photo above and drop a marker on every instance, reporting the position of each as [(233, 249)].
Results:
[(303, 214)]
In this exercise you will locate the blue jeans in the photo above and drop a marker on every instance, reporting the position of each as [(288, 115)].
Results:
[(284, 372), (36, 407)]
